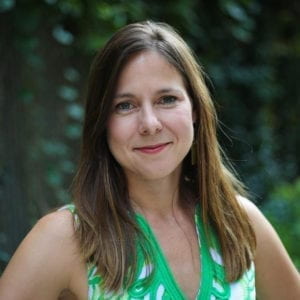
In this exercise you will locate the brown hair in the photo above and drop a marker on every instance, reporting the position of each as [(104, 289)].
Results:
[(107, 231)]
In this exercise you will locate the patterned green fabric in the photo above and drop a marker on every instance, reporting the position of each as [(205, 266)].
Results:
[(163, 286)]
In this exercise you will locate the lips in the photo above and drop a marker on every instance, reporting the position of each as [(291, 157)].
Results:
[(152, 149)]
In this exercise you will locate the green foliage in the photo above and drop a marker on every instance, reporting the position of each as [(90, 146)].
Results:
[(6, 5), (283, 210)]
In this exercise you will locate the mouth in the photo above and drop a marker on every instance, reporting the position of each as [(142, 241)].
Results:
[(152, 149)]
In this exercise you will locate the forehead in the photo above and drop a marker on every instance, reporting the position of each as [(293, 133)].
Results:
[(148, 68)]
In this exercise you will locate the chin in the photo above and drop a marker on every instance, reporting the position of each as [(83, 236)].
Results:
[(160, 173)]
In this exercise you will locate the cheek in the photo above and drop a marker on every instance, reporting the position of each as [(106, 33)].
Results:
[(182, 121), (118, 132), (114, 135)]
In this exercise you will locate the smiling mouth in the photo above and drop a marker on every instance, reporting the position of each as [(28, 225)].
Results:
[(152, 149)]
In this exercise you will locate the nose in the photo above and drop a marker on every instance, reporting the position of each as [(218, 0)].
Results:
[(149, 122)]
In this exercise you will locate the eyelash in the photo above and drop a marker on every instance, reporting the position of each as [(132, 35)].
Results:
[(129, 106), (174, 98), (119, 106)]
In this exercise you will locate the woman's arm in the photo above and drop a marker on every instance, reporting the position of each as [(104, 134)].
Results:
[(42, 266), (276, 276)]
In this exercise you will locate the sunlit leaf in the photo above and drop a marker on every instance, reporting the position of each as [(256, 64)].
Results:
[(236, 11), (73, 131), (71, 74), (62, 36), (75, 111), (54, 148), (6, 5), (54, 177), (68, 93), (67, 166)]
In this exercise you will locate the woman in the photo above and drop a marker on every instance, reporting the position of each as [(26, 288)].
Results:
[(157, 214)]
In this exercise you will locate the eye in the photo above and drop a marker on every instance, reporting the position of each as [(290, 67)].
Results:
[(168, 100), (124, 107)]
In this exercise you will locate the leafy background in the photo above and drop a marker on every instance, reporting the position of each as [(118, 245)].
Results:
[(250, 50)]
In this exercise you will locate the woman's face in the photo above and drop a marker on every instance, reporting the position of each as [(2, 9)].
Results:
[(150, 129)]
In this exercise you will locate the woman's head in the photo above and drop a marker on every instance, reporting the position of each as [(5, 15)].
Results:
[(111, 60), (150, 128)]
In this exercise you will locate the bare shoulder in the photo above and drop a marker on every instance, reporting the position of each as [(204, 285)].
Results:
[(42, 265), (251, 209), (57, 225), (276, 276), (51, 234)]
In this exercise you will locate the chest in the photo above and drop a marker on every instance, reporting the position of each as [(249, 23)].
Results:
[(182, 257), (179, 248)]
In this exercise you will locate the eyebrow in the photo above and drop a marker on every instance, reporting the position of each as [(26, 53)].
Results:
[(161, 91)]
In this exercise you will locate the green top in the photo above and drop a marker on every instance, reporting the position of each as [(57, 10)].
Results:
[(212, 286)]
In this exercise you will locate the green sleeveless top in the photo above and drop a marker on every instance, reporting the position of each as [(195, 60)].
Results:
[(163, 286)]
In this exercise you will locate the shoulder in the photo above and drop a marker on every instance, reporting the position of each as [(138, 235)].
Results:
[(53, 232), (261, 226), (276, 276), (42, 265), (61, 219), (251, 209)]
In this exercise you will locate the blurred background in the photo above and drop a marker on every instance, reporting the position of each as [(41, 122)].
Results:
[(250, 50)]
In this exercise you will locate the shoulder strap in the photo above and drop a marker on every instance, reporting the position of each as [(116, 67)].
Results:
[(72, 209)]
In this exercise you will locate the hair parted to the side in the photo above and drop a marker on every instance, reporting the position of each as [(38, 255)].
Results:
[(107, 231)]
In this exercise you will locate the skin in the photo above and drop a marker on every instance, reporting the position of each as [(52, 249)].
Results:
[(48, 261)]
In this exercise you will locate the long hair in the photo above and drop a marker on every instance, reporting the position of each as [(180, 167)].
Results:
[(107, 231)]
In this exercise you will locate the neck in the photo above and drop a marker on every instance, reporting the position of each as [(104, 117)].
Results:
[(159, 196)]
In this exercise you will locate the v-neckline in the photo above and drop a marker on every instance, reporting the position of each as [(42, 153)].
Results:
[(205, 281)]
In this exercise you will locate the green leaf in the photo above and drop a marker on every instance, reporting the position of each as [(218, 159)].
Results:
[(6, 5), (75, 111), (68, 93), (73, 131), (71, 75), (4, 256), (62, 36), (236, 11), (54, 148), (54, 177)]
